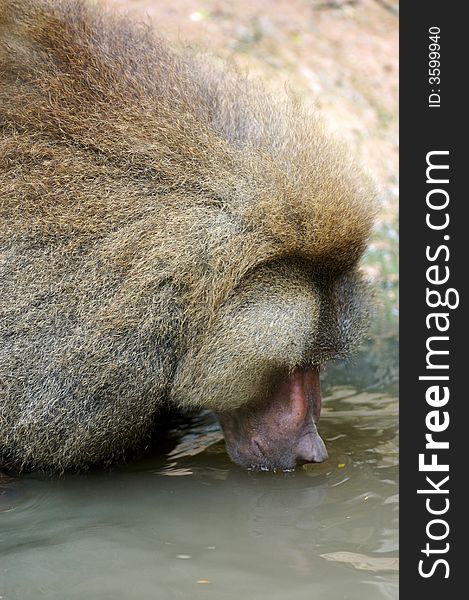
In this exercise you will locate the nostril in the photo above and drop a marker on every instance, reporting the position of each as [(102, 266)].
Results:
[(311, 449), (257, 447)]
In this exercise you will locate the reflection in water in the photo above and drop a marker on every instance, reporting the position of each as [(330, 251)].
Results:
[(192, 524)]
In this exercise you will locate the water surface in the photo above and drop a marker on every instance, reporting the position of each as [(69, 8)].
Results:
[(192, 525)]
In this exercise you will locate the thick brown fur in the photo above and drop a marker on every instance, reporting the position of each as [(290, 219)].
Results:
[(169, 233)]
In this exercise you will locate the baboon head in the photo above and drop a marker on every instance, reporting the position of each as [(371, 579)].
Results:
[(259, 363)]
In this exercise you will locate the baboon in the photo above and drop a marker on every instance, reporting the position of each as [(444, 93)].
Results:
[(171, 236)]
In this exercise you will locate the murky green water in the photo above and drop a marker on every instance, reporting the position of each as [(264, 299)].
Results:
[(192, 525)]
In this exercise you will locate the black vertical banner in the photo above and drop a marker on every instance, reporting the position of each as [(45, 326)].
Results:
[(434, 453)]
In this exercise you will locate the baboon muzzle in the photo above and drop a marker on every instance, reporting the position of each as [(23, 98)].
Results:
[(280, 431)]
